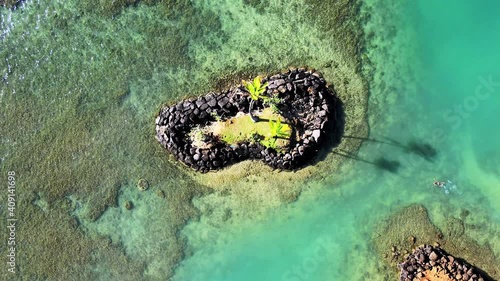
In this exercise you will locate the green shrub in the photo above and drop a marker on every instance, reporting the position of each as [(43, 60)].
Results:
[(256, 90), (279, 130)]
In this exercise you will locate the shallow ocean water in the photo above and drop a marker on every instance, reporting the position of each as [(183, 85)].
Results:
[(325, 236), (436, 80)]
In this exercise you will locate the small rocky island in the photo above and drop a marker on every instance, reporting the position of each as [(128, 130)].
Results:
[(282, 120), (434, 264)]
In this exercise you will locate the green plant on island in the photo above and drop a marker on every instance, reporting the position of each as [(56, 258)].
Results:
[(238, 129), (215, 116), (256, 90), (277, 130), (272, 102), (270, 143)]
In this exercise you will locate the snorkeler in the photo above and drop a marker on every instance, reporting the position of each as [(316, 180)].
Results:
[(438, 183), (448, 186)]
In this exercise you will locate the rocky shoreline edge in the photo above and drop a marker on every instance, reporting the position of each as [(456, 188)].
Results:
[(307, 101), (433, 263)]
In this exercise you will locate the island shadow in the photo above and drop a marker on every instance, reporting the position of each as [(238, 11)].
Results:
[(335, 133), (420, 148), (381, 162)]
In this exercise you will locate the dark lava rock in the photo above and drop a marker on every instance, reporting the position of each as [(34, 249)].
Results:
[(306, 100), (433, 256), (427, 257)]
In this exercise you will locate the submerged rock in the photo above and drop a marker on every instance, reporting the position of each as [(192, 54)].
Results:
[(129, 205), (11, 4), (142, 184)]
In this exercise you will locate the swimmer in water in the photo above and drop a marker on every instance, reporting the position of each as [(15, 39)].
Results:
[(438, 183)]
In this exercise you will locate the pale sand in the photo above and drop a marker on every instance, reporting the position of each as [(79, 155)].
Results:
[(434, 274)]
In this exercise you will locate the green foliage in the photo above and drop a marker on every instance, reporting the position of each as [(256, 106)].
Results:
[(272, 102), (255, 88), (270, 143), (230, 138), (278, 130), (272, 134), (215, 116)]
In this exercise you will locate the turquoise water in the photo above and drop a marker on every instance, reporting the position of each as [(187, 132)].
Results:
[(71, 70), (326, 237)]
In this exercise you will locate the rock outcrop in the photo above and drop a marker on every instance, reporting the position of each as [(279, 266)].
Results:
[(433, 263), (307, 102)]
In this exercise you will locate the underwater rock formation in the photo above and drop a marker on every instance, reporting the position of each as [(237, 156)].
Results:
[(9, 3), (309, 105)]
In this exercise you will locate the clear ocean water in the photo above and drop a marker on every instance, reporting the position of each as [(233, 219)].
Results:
[(80, 89)]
